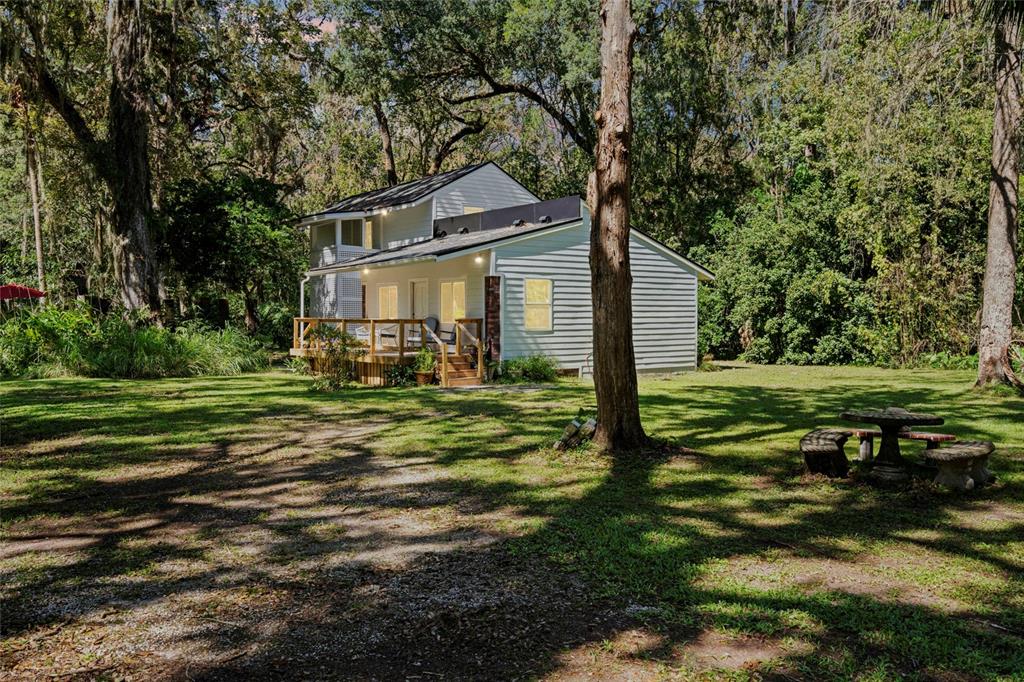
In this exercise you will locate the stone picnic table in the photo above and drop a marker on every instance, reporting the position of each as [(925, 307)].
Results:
[(889, 463)]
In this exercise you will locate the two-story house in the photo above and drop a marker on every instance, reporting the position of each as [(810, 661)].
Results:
[(470, 260)]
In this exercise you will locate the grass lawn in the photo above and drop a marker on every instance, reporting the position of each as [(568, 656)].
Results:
[(248, 527)]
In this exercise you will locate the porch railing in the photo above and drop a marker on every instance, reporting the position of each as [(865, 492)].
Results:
[(396, 336), (377, 336), (331, 254)]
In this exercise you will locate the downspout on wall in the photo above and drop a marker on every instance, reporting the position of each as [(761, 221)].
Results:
[(302, 296)]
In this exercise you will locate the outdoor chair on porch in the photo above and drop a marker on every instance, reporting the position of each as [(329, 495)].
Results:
[(388, 335), (446, 332), (412, 334)]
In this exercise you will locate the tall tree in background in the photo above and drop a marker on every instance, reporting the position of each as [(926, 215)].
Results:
[(1001, 257), (127, 173), (121, 158), (32, 176), (618, 407)]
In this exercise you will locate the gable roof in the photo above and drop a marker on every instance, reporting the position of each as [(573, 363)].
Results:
[(402, 194)]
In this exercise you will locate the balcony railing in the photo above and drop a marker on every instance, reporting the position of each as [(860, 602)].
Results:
[(326, 255)]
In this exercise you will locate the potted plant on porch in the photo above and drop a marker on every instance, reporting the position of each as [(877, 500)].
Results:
[(423, 366)]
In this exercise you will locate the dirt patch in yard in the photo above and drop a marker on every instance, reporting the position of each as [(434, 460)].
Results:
[(295, 552)]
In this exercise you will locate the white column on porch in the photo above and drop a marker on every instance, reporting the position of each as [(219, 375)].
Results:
[(337, 239), (337, 257)]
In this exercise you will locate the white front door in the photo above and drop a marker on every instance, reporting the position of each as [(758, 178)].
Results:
[(418, 296)]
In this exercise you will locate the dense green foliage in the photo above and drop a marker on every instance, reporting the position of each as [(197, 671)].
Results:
[(333, 363), (425, 360), (864, 241), (830, 166), (527, 370), (232, 235), (72, 341)]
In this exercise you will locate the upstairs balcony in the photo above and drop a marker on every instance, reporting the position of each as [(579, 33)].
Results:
[(332, 255)]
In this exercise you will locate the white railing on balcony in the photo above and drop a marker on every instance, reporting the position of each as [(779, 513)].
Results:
[(325, 255)]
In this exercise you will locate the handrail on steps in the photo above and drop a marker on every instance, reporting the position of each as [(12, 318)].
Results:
[(460, 330), (444, 354)]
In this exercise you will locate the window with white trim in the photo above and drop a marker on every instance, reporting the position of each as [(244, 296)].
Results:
[(387, 302), (453, 300), (537, 304)]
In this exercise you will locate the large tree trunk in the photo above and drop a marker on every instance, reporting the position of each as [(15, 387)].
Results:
[(252, 321), (1001, 257), (385, 141), (128, 175), (618, 409), (121, 160), (31, 160)]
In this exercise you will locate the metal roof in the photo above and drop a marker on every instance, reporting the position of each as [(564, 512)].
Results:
[(405, 193)]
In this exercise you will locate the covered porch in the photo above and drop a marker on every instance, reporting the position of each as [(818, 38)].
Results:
[(459, 348)]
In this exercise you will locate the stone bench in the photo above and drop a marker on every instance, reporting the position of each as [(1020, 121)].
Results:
[(962, 464), (867, 437), (823, 452)]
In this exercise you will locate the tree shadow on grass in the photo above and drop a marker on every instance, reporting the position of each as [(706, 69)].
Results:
[(603, 551)]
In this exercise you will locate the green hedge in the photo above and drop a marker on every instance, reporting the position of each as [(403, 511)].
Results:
[(52, 341), (529, 369)]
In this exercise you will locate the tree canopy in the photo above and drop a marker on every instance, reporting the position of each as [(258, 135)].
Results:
[(829, 161)]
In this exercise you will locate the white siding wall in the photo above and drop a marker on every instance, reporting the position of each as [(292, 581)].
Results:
[(664, 301), (338, 295), (487, 188), (458, 268), (408, 225)]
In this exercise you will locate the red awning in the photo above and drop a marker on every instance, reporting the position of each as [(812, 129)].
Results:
[(9, 291)]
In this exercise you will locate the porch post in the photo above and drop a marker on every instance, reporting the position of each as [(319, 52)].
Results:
[(302, 296), (337, 238), (492, 314)]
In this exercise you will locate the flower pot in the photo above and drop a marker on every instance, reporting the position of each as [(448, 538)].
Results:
[(424, 378)]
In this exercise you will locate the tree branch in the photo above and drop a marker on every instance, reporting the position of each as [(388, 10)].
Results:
[(497, 88), (445, 150), (51, 91)]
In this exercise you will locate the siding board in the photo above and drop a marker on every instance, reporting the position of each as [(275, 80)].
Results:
[(664, 301), (487, 188), (408, 225)]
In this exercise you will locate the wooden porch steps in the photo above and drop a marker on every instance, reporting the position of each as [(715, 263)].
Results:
[(461, 371)]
